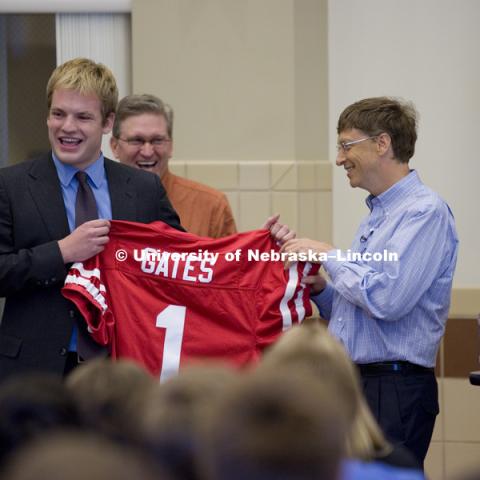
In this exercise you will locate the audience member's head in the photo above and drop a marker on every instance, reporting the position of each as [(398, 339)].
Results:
[(78, 456), (170, 420), (273, 424), (109, 395), (30, 406), (310, 345)]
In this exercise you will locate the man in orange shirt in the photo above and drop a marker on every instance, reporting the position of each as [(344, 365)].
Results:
[(142, 138)]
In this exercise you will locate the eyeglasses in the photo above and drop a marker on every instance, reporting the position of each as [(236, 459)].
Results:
[(139, 142), (346, 146)]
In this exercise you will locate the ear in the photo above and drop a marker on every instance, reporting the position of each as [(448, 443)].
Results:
[(107, 126), (170, 149), (384, 143), (114, 146)]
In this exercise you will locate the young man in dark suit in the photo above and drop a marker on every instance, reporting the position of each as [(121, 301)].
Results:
[(39, 236)]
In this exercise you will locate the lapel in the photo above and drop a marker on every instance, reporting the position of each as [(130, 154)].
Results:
[(122, 191), (46, 192)]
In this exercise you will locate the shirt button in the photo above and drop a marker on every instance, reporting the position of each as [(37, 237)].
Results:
[(71, 313), (340, 319), (63, 351)]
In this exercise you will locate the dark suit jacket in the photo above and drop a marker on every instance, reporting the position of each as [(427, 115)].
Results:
[(37, 321)]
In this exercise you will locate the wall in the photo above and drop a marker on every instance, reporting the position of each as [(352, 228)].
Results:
[(248, 84), (426, 52)]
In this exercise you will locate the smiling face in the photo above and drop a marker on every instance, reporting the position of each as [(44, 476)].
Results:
[(75, 127), (360, 160), (144, 143)]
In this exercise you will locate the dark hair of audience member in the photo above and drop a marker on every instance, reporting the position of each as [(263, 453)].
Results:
[(273, 425), (169, 423), (31, 405), (109, 396), (80, 456)]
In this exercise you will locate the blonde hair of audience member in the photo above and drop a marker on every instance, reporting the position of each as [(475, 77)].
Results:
[(270, 424), (109, 395), (79, 456), (312, 345), (86, 77), (170, 418)]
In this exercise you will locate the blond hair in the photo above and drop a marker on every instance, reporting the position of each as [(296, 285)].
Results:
[(109, 395), (86, 77), (312, 346)]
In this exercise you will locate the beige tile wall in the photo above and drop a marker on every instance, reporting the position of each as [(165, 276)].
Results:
[(434, 463), (455, 447), (299, 191), (461, 458)]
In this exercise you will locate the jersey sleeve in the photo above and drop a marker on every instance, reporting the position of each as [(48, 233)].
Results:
[(283, 300), (84, 287)]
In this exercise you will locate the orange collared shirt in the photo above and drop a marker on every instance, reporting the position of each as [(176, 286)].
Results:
[(203, 210)]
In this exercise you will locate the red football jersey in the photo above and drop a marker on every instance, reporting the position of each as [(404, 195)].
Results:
[(164, 297)]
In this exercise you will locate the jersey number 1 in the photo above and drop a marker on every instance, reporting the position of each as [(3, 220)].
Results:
[(172, 319)]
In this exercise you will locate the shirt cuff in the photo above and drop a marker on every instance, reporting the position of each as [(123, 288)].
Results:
[(324, 300)]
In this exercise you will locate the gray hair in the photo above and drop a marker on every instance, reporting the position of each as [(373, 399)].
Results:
[(133, 105)]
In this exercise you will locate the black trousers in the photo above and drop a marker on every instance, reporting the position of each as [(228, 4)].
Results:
[(71, 363), (405, 404)]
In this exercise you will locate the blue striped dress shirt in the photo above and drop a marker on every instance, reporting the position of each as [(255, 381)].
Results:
[(394, 310)]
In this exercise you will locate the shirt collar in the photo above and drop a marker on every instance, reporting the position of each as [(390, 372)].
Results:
[(95, 171), (402, 189)]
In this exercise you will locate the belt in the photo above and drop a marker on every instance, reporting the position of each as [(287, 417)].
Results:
[(392, 367)]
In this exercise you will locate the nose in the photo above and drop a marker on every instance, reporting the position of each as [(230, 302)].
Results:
[(69, 124), (147, 150), (340, 158)]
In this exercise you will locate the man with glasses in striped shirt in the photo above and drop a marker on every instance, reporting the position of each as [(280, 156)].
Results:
[(390, 315)]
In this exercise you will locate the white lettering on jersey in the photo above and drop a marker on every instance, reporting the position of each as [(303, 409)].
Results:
[(172, 319), (170, 265)]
